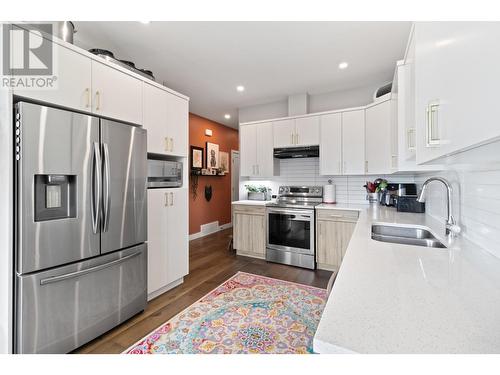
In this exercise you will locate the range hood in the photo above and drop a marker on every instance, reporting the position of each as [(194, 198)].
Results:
[(296, 152)]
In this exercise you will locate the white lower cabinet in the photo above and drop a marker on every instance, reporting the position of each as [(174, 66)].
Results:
[(249, 230), (168, 247), (334, 230)]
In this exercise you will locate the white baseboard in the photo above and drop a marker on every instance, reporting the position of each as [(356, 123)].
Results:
[(166, 288), (194, 236)]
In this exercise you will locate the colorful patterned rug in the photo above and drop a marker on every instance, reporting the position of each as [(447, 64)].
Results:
[(246, 314)]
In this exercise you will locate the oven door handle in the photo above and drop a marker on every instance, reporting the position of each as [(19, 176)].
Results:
[(301, 218), (308, 214)]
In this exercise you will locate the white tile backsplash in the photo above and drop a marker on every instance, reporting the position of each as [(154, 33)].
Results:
[(349, 189), (476, 203), (476, 194)]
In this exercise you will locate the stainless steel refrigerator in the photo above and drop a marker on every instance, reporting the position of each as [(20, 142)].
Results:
[(80, 227)]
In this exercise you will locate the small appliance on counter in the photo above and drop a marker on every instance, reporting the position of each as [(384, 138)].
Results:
[(391, 193), (164, 174), (329, 193), (409, 203)]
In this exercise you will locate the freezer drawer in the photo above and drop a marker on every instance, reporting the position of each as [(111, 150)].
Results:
[(63, 308)]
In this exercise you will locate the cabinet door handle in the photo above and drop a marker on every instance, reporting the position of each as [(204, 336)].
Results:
[(432, 128), (296, 138), (87, 98), (366, 166), (98, 100), (171, 145), (258, 170), (292, 141), (166, 199), (344, 169), (166, 144), (410, 133), (171, 199), (394, 161)]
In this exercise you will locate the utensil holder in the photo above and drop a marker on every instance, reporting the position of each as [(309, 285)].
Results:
[(372, 197)]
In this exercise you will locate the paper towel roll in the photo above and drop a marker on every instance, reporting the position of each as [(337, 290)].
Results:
[(329, 193)]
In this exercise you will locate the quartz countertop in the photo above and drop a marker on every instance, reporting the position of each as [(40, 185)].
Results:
[(394, 298)]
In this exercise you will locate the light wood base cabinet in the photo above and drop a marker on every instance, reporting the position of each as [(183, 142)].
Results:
[(334, 229), (249, 231)]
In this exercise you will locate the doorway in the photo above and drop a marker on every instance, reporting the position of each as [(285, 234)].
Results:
[(235, 175)]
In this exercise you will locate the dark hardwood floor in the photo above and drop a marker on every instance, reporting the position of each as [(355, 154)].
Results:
[(210, 264)]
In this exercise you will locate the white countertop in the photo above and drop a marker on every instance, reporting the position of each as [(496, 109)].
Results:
[(392, 298)]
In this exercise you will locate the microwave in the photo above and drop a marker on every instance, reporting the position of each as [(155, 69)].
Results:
[(164, 174)]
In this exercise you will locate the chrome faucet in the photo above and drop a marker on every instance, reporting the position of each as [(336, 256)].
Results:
[(451, 226)]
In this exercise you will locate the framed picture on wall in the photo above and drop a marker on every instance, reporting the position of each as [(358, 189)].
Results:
[(224, 162), (196, 157), (212, 155)]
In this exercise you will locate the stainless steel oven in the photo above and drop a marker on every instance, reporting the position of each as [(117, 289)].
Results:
[(290, 236)]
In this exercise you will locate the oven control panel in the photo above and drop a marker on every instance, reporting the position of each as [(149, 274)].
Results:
[(301, 191)]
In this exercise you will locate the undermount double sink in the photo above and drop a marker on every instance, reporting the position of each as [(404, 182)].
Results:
[(405, 235)]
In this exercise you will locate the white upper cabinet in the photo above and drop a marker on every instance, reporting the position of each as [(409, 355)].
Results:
[(155, 116), (116, 94), (379, 141), (284, 133), (256, 150), (330, 147), (73, 85), (177, 124), (165, 117), (302, 131), (307, 131), (248, 150), (267, 166), (456, 80), (353, 142)]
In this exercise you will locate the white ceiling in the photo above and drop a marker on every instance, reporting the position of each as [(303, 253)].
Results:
[(207, 60)]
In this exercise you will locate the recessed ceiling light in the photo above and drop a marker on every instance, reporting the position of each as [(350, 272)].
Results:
[(145, 22), (240, 88), (227, 116), (343, 65)]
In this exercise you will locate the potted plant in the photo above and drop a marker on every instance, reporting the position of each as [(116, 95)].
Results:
[(257, 193)]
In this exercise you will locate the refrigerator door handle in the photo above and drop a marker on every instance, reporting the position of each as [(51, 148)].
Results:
[(106, 194), (71, 275), (96, 188)]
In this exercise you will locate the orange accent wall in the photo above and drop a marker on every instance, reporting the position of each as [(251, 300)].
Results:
[(219, 207)]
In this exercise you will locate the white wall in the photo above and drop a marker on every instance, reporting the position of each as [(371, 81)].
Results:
[(317, 103), (305, 171), (263, 111), (342, 99)]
